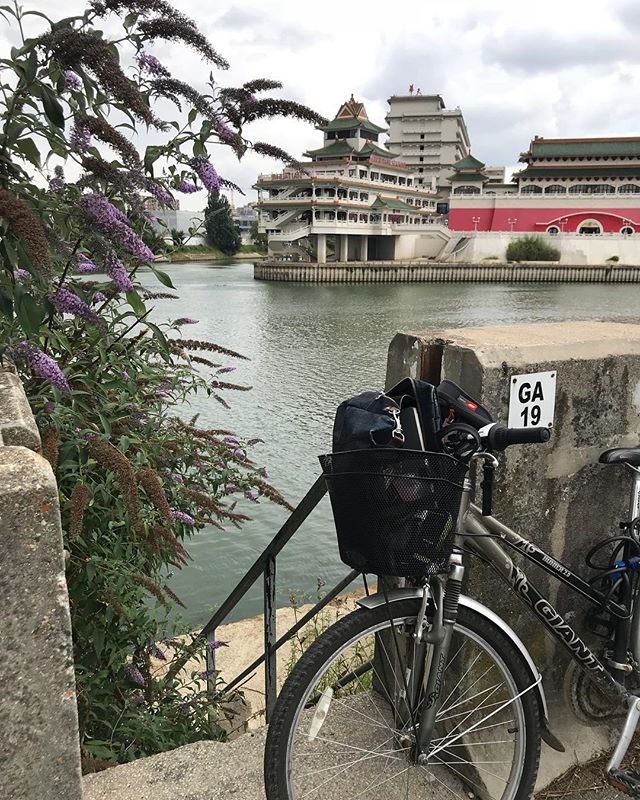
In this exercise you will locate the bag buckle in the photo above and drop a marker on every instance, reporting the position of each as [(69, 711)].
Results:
[(397, 434)]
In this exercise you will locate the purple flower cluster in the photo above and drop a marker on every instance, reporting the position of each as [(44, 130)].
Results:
[(186, 321), (49, 407), (21, 275), (215, 644), (224, 131), (85, 267), (206, 172), (232, 488), (231, 440), (156, 652), (180, 516), (42, 365), (56, 184), (117, 273), (79, 138), (66, 302), (135, 675), (160, 193), (251, 496), (98, 297), (103, 213), (186, 187), (224, 370), (150, 64), (71, 80)]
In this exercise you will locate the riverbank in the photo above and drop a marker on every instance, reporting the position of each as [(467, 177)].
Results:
[(208, 255), (422, 271)]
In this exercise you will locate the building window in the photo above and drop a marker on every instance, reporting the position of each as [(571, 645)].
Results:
[(466, 190), (553, 230), (590, 227), (627, 230), (530, 188), (422, 135), (555, 188), (629, 188), (420, 169), (592, 188), (421, 159), (422, 147)]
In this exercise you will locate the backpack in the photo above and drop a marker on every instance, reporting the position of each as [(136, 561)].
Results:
[(406, 416)]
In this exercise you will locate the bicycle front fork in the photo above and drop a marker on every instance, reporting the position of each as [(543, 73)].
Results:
[(439, 636)]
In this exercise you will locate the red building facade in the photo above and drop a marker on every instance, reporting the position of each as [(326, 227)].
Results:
[(586, 186)]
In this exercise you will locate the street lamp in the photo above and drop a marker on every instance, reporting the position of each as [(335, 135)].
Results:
[(512, 221), (475, 221), (563, 222)]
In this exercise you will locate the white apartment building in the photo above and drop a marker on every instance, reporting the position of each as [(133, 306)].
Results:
[(427, 136)]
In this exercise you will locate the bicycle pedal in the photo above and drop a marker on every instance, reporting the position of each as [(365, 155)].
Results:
[(626, 780)]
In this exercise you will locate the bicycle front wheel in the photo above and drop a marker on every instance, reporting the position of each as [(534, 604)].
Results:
[(337, 729)]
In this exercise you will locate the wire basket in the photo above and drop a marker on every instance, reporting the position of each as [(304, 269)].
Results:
[(395, 510)]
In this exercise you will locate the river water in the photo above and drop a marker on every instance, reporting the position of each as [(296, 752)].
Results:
[(310, 348)]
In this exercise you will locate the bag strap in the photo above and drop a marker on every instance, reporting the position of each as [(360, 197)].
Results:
[(426, 401)]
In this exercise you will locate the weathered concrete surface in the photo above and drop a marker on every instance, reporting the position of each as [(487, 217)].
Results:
[(556, 494), (17, 425), (202, 771), (39, 751)]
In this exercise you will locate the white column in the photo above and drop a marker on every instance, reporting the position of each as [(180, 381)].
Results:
[(364, 250), (343, 246), (322, 248)]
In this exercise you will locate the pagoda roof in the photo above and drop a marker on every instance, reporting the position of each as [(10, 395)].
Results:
[(468, 176), (393, 203), (339, 148), (593, 147), (469, 163), (342, 148), (580, 171), (344, 123)]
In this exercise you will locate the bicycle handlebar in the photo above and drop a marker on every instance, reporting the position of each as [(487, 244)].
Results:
[(499, 437)]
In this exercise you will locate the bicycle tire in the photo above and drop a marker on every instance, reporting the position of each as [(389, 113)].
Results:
[(353, 628)]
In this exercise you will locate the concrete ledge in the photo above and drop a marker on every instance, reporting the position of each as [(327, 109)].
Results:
[(17, 425), (422, 271), (201, 771)]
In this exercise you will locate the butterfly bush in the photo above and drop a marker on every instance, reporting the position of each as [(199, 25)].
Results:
[(110, 381)]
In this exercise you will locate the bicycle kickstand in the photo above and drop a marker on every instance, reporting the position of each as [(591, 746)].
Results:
[(627, 781)]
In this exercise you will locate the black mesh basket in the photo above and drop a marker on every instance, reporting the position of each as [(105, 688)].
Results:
[(395, 510)]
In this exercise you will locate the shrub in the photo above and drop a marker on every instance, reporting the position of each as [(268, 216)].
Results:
[(614, 259), (531, 248), (105, 380)]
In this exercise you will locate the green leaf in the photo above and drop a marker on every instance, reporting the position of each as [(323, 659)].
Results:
[(164, 279), (6, 305), (192, 115), (52, 108), (11, 253), (29, 150), (31, 67), (30, 313), (199, 149), (134, 300), (130, 20), (151, 154), (98, 641)]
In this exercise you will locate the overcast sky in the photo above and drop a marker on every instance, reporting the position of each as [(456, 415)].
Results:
[(552, 68)]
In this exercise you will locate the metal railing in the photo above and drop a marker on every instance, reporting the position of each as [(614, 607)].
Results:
[(265, 567)]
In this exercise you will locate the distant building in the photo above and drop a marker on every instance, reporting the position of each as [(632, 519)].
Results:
[(584, 186), (244, 217), (352, 191), (427, 136)]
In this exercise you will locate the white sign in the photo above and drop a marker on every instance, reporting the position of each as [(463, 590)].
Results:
[(532, 400)]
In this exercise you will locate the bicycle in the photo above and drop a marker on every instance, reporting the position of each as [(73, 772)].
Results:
[(423, 690)]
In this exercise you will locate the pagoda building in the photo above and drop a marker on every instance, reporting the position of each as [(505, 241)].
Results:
[(352, 201), (584, 186)]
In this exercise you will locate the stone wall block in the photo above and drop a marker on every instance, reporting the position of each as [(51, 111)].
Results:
[(17, 425)]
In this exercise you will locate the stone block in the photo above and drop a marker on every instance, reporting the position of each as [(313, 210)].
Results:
[(17, 425)]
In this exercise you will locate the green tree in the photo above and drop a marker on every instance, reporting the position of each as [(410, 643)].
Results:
[(258, 239), (107, 381), (220, 228), (178, 237), (531, 248)]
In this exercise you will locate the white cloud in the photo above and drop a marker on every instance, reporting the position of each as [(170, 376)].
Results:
[(557, 68)]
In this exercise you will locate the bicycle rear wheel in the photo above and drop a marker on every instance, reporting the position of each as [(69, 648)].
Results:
[(335, 731)]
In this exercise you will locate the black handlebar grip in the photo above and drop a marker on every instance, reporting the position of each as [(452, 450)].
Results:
[(501, 437)]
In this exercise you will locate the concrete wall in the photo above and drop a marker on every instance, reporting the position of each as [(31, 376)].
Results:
[(574, 248), (556, 495), (39, 750)]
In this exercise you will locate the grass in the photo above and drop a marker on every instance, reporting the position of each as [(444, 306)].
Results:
[(531, 248)]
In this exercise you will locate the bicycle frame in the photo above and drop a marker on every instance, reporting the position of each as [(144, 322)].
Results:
[(485, 535)]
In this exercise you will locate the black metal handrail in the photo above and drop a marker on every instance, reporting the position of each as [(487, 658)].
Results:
[(265, 566)]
